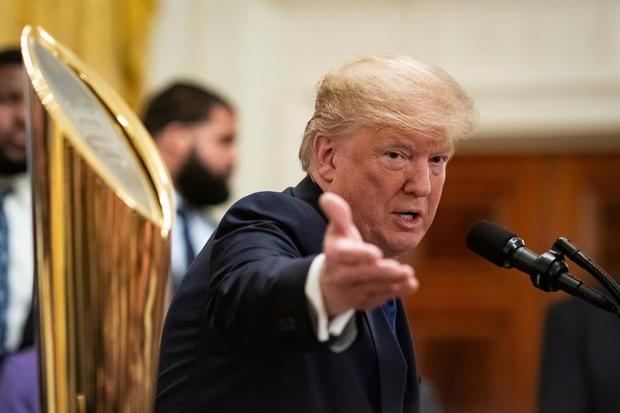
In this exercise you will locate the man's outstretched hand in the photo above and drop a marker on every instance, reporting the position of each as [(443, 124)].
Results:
[(355, 275)]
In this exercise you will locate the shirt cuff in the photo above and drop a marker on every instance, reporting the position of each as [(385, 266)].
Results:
[(324, 328)]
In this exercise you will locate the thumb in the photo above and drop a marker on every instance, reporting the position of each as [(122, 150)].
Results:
[(338, 213)]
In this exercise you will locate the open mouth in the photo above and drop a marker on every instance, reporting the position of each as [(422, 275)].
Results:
[(409, 215)]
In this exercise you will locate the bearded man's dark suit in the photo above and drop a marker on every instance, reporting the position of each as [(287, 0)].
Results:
[(239, 338)]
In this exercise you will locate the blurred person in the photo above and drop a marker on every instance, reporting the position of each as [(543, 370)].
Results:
[(194, 130), (19, 385), (429, 399), (16, 247), (580, 369), (294, 303)]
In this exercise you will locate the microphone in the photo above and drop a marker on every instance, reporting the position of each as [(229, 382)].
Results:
[(547, 271)]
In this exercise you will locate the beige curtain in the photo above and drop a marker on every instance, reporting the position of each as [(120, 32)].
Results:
[(109, 35)]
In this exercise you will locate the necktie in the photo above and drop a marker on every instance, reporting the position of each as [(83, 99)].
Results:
[(392, 364), (4, 270), (389, 309), (187, 239)]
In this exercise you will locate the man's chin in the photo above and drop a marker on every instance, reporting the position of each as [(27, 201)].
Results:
[(396, 248)]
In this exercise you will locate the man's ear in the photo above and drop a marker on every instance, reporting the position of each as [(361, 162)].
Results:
[(174, 143), (174, 140), (324, 155)]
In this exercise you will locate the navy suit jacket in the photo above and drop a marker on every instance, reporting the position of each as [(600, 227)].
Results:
[(238, 336)]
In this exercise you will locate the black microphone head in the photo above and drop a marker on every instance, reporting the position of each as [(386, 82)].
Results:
[(488, 240)]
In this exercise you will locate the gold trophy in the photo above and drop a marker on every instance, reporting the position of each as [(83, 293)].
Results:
[(103, 207)]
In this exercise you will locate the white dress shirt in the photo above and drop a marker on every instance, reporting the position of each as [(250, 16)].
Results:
[(341, 329), (200, 229), (18, 210)]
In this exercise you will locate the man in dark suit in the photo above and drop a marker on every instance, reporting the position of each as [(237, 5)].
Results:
[(293, 305), (580, 370), (16, 256), (16, 244)]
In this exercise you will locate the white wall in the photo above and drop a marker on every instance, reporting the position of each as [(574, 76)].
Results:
[(546, 67)]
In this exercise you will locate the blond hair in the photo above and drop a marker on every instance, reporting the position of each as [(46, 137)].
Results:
[(396, 92)]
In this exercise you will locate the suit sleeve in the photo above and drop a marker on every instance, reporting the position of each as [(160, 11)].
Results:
[(255, 294)]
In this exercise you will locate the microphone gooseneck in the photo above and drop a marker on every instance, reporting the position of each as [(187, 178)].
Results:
[(564, 246), (547, 271)]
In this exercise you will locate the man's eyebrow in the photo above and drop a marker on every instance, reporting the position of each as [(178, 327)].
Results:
[(394, 143), (444, 148)]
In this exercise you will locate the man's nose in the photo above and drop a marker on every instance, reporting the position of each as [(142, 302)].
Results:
[(233, 156), (418, 179), (19, 113)]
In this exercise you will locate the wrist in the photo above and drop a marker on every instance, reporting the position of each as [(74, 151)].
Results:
[(331, 300)]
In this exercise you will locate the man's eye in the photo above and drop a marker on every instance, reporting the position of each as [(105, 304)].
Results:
[(10, 99), (394, 155), (439, 159)]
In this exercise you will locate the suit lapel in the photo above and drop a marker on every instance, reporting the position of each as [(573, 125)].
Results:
[(412, 395), (392, 364)]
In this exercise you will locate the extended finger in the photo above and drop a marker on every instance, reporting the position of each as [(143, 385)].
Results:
[(382, 271), (367, 296), (348, 252)]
